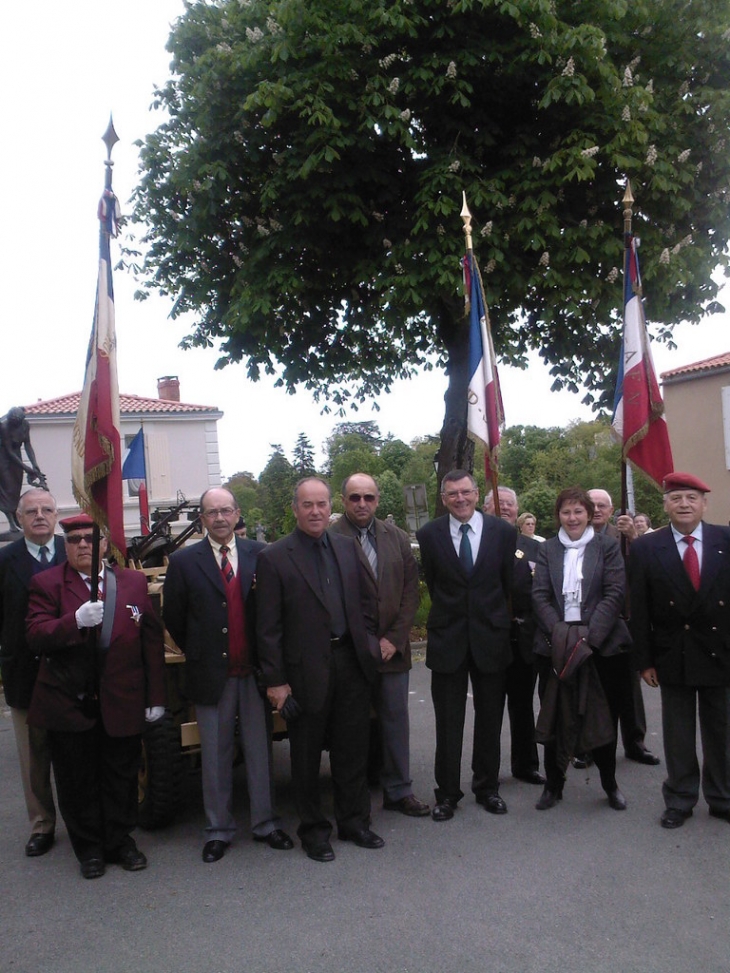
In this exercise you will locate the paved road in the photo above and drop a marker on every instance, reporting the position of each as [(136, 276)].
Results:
[(579, 889)]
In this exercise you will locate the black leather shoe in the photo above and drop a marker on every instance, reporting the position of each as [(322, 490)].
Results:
[(548, 799), (39, 844), (493, 803), (363, 839), (410, 806), (277, 839), (444, 809), (718, 812), (132, 859), (616, 800), (213, 851), (92, 868), (642, 756), (531, 777), (673, 817), (582, 761), (320, 852)]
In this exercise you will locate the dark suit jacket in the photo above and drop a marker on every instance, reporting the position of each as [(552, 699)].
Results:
[(683, 633), (396, 587), (523, 632), (19, 665), (469, 612), (293, 624), (602, 601), (133, 675), (195, 610)]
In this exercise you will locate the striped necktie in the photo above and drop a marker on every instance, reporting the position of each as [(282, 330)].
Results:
[(370, 553), (226, 566)]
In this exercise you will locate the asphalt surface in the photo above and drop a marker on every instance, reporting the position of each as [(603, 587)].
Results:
[(577, 889)]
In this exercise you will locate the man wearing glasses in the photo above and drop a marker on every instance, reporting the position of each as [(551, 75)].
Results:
[(101, 677), (209, 610), (386, 553), (467, 559), (35, 551)]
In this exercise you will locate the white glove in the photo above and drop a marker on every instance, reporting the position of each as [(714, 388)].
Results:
[(153, 713), (90, 614)]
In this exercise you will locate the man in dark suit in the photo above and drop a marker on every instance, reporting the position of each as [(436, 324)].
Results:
[(386, 553), (468, 560), (37, 550), (95, 690), (208, 610), (319, 654), (680, 623), (521, 673)]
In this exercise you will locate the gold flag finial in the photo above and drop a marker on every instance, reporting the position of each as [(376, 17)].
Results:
[(466, 217)]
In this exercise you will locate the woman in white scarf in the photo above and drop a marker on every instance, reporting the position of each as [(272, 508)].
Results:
[(580, 579)]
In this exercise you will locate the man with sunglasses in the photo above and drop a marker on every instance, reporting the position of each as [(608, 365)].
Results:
[(386, 553), (101, 677)]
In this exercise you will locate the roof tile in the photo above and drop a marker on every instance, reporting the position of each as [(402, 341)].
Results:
[(128, 405)]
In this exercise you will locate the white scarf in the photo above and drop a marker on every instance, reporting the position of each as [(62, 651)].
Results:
[(573, 571)]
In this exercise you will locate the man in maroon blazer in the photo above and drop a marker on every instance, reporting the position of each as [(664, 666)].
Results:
[(100, 679)]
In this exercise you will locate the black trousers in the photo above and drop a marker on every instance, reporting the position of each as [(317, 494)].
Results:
[(448, 692), (344, 724), (96, 780), (520, 680)]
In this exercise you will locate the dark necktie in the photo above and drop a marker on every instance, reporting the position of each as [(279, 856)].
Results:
[(465, 555), (691, 562), (43, 557), (226, 566)]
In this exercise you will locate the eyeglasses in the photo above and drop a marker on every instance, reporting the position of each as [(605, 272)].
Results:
[(367, 497), (75, 539), (34, 511), (221, 512)]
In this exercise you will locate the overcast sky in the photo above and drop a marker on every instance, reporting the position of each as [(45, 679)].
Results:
[(64, 68)]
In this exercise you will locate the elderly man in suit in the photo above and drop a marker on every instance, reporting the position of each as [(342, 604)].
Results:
[(319, 655), (37, 550), (468, 560), (386, 553), (680, 623), (208, 609), (95, 689)]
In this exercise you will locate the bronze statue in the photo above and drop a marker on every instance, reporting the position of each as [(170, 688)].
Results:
[(14, 436)]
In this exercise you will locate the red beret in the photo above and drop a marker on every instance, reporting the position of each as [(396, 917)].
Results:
[(77, 522), (684, 481)]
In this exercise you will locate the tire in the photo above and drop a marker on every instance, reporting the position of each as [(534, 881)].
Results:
[(161, 769)]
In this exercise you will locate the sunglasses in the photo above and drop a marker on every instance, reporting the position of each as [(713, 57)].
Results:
[(75, 539), (357, 497)]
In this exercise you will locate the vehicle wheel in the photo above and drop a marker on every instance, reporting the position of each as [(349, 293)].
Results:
[(160, 774)]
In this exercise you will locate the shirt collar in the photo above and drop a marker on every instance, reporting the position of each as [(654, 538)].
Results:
[(230, 543), (472, 521), (35, 549), (696, 533)]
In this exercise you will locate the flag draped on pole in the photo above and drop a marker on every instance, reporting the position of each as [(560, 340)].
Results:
[(135, 468), (96, 463), (638, 421), (485, 415)]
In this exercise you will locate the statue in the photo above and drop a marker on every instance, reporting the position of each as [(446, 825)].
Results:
[(14, 436)]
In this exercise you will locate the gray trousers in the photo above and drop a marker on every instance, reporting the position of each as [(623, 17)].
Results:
[(216, 725), (680, 704), (34, 757), (391, 706)]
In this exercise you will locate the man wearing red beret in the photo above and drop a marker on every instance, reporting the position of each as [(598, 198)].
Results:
[(101, 677), (680, 623)]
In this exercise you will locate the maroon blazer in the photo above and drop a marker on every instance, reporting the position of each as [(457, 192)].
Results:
[(134, 664)]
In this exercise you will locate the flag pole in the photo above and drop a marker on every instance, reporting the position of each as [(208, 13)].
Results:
[(489, 470), (628, 214)]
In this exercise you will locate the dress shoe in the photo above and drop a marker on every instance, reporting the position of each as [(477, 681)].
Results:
[(39, 844), (444, 810), (92, 868), (410, 806), (213, 851), (363, 839), (320, 851), (531, 777), (616, 800), (548, 799), (673, 817), (582, 761), (718, 812), (128, 856), (277, 839), (642, 756), (493, 803)]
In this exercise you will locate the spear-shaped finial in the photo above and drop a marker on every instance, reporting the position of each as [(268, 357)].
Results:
[(466, 217), (628, 202), (110, 139)]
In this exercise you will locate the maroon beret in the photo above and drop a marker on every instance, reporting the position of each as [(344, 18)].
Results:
[(684, 481), (77, 522)]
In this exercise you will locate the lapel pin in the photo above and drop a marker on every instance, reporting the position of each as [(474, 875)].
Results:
[(136, 614)]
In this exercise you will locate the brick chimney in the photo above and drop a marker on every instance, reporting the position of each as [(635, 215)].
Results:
[(168, 388)]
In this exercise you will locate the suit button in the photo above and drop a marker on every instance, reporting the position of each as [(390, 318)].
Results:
[(671, 603), (224, 604), (721, 604), (225, 630), (225, 655), (686, 628), (714, 628)]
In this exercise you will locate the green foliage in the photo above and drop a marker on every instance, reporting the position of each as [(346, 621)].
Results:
[(301, 199), (303, 459), (277, 486), (391, 498)]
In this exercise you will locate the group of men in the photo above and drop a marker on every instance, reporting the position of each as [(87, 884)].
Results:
[(316, 626)]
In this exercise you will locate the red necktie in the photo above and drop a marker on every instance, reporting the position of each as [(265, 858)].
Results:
[(227, 568), (691, 562)]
